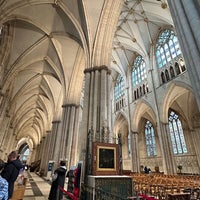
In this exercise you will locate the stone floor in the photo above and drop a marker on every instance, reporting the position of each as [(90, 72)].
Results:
[(37, 188)]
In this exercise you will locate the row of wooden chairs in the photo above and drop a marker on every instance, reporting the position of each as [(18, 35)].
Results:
[(161, 185)]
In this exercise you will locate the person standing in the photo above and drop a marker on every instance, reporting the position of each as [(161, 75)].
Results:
[(11, 171), (58, 180), (3, 184)]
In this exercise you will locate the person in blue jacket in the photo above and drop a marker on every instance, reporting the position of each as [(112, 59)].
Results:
[(3, 184)]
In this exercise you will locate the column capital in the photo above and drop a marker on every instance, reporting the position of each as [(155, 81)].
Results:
[(103, 67), (70, 105), (48, 131), (56, 121), (134, 132)]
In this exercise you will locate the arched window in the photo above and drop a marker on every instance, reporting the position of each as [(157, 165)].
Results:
[(26, 154), (147, 88), (139, 72), (119, 88), (144, 89), (167, 75), (135, 94), (163, 77), (182, 64), (140, 91), (176, 134), (177, 68), (167, 48), (172, 72), (150, 139)]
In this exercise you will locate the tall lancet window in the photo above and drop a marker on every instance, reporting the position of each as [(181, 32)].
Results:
[(150, 139), (167, 48), (119, 88), (139, 72), (176, 134)]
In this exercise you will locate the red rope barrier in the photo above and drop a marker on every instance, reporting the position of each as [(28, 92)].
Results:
[(69, 194), (146, 197)]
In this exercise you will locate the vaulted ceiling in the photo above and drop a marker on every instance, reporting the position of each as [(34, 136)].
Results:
[(49, 43)]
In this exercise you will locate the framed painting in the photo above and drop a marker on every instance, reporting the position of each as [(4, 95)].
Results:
[(105, 159)]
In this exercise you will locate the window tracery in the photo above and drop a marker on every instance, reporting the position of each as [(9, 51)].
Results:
[(169, 56), (139, 76), (119, 92), (150, 139), (176, 134)]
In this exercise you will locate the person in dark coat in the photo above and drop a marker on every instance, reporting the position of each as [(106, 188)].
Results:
[(11, 171), (58, 179), (146, 170)]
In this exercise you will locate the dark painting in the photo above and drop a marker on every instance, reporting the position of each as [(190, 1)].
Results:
[(106, 158)]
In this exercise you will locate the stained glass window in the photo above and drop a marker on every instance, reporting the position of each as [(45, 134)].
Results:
[(25, 154), (167, 48), (139, 72), (119, 88), (176, 134), (150, 139)]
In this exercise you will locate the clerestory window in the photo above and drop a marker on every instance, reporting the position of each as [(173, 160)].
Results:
[(119, 88), (167, 48), (139, 72)]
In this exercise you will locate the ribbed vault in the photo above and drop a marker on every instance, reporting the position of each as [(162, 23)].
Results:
[(51, 42)]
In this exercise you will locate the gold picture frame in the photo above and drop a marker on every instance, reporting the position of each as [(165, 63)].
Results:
[(105, 159)]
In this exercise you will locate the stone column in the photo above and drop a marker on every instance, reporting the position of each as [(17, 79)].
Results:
[(43, 153), (64, 130), (13, 141), (47, 150), (135, 152), (95, 110), (4, 130), (85, 116), (93, 90), (167, 151), (40, 150), (56, 141), (37, 152), (7, 143), (186, 19), (53, 138), (133, 140), (4, 100), (103, 97), (32, 156), (75, 140), (68, 131), (109, 106), (195, 134)]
